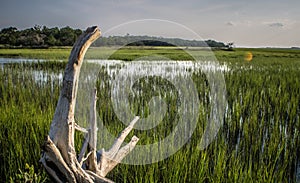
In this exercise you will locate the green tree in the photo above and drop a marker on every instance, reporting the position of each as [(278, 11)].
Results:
[(50, 40), (67, 36), (9, 36)]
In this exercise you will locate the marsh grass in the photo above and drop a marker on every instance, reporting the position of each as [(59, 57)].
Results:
[(259, 141), (46, 54)]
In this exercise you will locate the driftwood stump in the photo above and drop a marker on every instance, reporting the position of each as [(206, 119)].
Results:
[(59, 156)]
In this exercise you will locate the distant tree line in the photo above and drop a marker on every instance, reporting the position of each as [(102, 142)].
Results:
[(39, 36), (154, 41)]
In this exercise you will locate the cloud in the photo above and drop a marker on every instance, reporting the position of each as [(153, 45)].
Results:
[(230, 24), (276, 24)]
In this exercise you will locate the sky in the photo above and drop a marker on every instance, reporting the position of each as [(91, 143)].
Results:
[(251, 23)]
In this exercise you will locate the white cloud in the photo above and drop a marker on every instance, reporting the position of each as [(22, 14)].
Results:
[(276, 24), (230, 23)]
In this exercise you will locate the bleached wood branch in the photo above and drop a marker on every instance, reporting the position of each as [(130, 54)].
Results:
[(83, 148), (109, 159), (54, 155), (81, 129), (92, 145), (59, 156)]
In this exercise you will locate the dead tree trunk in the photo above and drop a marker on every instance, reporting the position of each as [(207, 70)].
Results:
[(59, 156)]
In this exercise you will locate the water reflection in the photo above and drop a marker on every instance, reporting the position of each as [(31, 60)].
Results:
[(168, 69)]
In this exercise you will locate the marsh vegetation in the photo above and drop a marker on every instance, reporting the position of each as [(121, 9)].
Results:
[(258, 141)]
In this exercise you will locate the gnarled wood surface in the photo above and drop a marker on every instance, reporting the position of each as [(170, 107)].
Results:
[(59, 156)]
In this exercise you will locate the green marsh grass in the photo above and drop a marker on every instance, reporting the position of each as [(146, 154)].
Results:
[(258, 142)]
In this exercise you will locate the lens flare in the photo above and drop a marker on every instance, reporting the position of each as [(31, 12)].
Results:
[(248, 56)]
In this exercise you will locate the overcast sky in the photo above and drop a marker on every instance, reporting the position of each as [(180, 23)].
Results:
[(252, 23)]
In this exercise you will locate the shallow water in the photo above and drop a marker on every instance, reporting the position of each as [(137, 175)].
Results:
[(19, 60), (166, 68)]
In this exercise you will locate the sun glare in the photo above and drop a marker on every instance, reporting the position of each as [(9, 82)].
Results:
[(248, 56)]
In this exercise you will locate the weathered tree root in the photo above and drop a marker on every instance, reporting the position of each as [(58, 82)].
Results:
[(59, 156)]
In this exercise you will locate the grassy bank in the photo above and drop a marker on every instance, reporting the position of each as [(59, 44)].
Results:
[(131, 53)]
